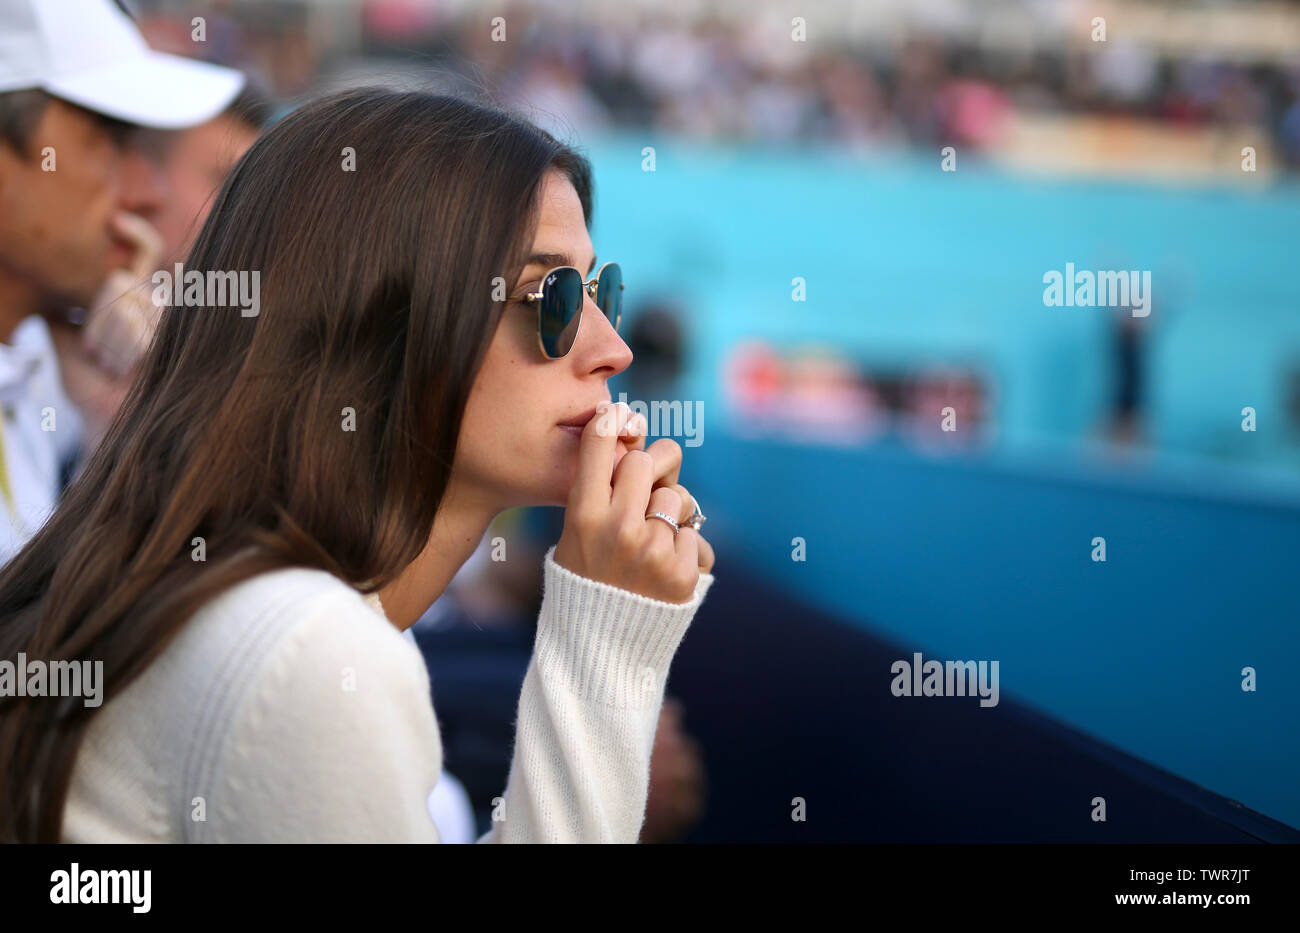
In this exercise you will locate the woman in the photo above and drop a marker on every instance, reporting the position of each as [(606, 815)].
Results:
[(283, 493)]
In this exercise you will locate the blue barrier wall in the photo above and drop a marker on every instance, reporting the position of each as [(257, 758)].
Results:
[(992, 560)]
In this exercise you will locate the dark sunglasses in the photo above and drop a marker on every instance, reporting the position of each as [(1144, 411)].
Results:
[(559, 304)]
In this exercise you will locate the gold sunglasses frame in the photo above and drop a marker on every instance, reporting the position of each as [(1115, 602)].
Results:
[(534, 298)]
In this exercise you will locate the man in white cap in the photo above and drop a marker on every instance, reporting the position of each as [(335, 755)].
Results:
[(76, 192)]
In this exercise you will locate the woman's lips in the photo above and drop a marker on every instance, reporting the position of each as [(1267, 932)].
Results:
[(577, 424), (580, 421)]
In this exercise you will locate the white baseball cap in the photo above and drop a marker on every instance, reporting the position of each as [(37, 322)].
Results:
[(89, 53)]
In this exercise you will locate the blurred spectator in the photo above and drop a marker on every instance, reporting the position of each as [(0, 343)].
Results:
[(195, 164), (945, 408), (1128, 340), (825, 400), (75, 234), (192, 163), (753, 380), (717, 75)]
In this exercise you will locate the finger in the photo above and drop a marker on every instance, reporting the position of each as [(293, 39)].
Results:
[(667, 454), (706, 554), (662, 500), (688, 503), (632, 486), (146, 243), (688, 552), (634, 432), (591, 481), (688, 509), (632, 437)]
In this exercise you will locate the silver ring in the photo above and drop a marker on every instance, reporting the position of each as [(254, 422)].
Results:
[(668, 518), (697, 517)]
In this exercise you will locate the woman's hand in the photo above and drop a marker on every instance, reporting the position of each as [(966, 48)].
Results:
[(607, 536)]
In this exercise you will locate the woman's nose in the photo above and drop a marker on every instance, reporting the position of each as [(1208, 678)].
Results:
[(604, 346)]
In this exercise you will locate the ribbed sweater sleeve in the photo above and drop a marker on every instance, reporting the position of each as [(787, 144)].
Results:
[(332, 736), (588, 711)]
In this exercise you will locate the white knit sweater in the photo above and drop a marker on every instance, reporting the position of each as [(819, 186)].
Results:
[(289, 709)]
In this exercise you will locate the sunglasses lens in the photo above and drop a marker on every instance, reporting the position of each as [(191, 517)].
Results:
[(609, 292), (559, 314)]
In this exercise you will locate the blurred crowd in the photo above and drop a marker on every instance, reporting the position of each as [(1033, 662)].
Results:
[(814, 394), (739, 78)]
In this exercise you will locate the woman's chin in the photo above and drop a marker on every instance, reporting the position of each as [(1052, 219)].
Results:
[(557, 492)]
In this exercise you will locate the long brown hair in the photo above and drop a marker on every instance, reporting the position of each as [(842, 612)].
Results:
[(377, 295)]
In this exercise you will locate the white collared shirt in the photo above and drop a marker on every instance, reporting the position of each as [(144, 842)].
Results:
[(42, 430)]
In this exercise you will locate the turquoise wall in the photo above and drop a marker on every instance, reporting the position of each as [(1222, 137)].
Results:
[(906, 263), (988, 557)]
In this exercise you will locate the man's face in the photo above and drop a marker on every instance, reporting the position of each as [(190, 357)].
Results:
[(55, 231), (195, 163)]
